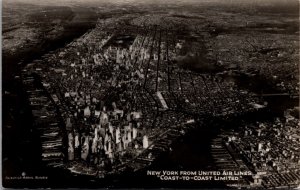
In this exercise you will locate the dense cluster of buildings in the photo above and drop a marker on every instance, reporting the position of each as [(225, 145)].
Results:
[(270, 150), (272, 57), (117, 89)]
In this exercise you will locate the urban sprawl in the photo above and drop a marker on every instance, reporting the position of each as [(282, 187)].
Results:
[(115, 98)]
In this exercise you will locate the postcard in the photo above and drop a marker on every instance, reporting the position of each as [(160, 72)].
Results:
[(153, 94)]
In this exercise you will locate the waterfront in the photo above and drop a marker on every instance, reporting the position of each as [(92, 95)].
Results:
[(101, 106)]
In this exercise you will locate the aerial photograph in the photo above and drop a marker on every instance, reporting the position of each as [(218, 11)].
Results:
[(193, 94)]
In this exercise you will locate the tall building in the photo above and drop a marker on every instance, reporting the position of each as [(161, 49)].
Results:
[(145, 141), (87, 112), (259, 147)]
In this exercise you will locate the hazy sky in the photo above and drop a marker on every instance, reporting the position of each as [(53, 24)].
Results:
[(64, 2), (156, 1)]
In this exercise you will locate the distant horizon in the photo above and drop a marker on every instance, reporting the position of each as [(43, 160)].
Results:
[(153, 1)]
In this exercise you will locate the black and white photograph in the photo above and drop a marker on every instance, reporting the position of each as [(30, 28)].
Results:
[(150, 94)]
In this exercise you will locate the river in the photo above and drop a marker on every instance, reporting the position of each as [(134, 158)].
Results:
[(21, 146), (20, 141)]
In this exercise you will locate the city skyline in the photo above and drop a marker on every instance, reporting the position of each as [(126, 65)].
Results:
[(127, 94)]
